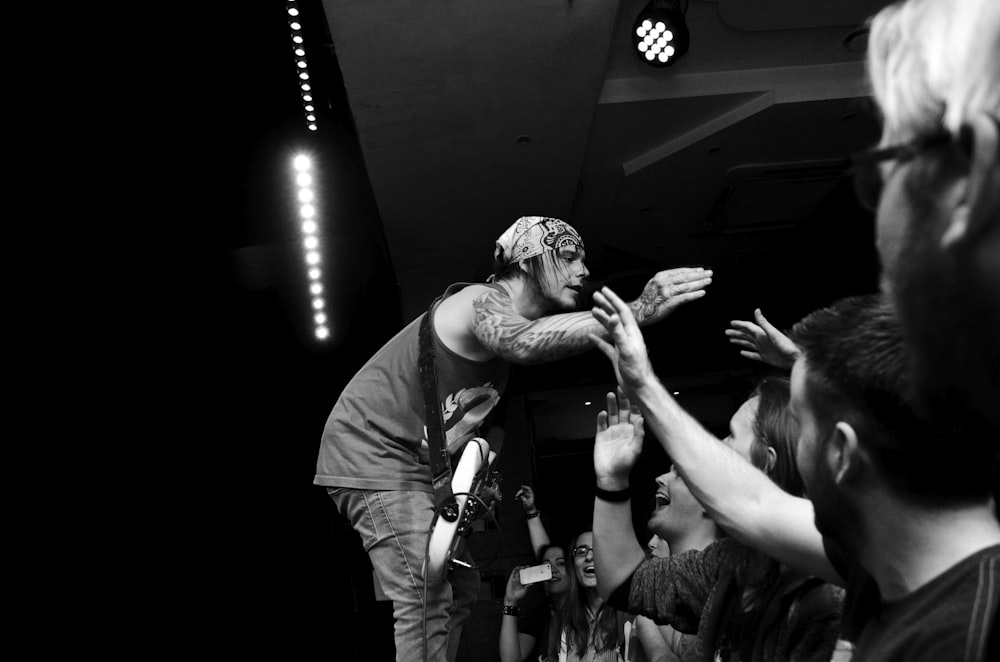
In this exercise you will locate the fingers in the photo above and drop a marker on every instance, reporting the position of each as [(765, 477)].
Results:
[(612, 406), (619, 316), (742, 342), (611, 302), (684, 274), (691, 286), (602, 420), (751, 355), (740, 326), (761, 320)]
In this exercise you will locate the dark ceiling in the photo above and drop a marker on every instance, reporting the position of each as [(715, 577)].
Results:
[(729, 159)]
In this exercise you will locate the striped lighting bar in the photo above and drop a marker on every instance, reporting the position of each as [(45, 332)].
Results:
[(302, 165), (301, 66)]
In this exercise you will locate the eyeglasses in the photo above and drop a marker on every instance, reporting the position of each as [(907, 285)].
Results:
[(582, 550), (864, 165)]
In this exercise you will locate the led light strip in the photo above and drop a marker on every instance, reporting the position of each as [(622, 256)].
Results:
[(310, 242), (298, 46)]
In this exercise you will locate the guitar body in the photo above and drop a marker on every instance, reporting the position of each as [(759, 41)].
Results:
[(445, 536)]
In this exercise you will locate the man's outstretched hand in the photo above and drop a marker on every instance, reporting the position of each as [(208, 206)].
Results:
[(669, 289)]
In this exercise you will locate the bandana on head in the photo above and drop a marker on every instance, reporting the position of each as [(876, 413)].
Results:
[(533, 235)]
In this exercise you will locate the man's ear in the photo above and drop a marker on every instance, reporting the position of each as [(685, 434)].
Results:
[(772, 459), (980, 142), (844, 455)]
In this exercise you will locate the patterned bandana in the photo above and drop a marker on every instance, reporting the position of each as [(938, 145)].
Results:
[(533, 235)]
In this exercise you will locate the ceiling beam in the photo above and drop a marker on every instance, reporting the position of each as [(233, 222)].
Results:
[(817, 82), (700, 132)]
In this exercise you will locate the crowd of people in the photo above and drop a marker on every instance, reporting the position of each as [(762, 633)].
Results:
[(850, 514)]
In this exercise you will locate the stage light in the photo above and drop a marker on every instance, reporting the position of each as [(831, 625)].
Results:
[(660, 35)]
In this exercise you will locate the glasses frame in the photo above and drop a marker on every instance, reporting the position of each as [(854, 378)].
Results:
[(587, 549), (863, 165)]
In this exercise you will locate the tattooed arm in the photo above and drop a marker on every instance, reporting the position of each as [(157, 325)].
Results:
[(505, 333)]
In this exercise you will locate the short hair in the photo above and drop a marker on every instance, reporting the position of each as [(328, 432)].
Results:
[(857, 371), (774, 427), (933, 64)]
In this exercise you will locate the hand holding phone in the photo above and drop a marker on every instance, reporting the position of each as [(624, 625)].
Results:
[(536, 573)]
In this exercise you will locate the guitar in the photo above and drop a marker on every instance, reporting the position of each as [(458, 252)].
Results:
[(454, 519)]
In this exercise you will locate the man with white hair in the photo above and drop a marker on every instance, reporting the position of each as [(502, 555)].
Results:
[(934, 67), (374, 458)]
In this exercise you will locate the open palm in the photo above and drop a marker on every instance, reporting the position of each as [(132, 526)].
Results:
[(618, 443)]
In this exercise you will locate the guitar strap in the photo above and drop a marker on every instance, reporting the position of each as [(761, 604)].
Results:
[(440, 461)]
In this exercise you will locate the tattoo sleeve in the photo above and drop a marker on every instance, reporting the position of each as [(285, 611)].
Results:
[(520, 340)]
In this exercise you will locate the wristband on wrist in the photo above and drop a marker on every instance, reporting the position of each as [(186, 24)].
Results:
[(614, 496), (532, 515), (511, 610)]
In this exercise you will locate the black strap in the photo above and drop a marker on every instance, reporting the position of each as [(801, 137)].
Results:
[(440, 461)]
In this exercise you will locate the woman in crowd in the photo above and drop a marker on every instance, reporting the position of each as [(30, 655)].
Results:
[(742, 604)]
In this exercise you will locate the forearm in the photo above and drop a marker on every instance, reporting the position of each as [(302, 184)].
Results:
[(512, 642), (524, 341), (617, 553), (654, 645), (538, 535)]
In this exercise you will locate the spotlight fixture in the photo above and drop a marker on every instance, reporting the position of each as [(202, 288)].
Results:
[(660, 35)]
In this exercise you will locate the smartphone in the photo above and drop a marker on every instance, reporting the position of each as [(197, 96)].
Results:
[(536, 573)]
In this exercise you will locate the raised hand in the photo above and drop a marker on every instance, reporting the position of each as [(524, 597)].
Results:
[(618, 442), (526, 497), (763, 342), (515, 589), (669, 289), (628, 353)]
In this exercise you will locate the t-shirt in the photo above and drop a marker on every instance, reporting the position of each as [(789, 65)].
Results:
[(698, 592), (949, 618), (372, 439)]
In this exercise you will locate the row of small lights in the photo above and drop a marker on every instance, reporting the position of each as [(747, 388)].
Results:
[(298, 44), (310, 228)]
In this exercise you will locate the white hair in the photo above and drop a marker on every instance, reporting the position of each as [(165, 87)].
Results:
[(933, 64)]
